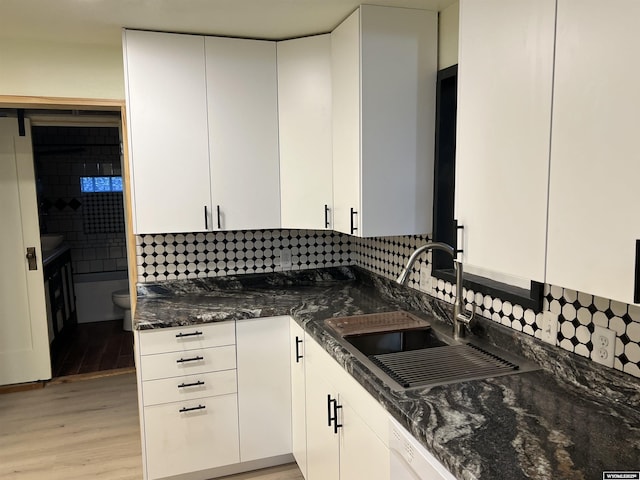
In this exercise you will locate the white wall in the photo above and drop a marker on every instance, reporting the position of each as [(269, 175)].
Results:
[(49, 69), (448, 24)]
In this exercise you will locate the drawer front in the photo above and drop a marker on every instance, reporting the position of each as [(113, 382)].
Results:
[(188, 441), (187, 338), (191, 362), (190, 387)]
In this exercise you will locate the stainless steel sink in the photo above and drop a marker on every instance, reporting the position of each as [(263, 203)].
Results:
[(421, 353)]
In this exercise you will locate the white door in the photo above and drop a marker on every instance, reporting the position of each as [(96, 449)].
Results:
[(298, 397), (345, 84), (168, 137), (24, 346), (363, 456), (323, 444), (502, 146), (242, 102), (304, 109), (264, 387), (593, 189)]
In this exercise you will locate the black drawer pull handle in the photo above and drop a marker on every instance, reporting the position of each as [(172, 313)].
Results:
[(191, 409), (194, 384), (298, 356), (192, 359), (326, 216), (192, 334)]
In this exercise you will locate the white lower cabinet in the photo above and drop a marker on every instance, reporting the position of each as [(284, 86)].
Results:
[(298, 396), (264, 387), (188, 401), (191, 436), (214, 399), (363, 455), (323, 445), (342, 443)]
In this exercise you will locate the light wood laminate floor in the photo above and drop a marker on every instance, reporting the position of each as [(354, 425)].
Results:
[(82, 430)]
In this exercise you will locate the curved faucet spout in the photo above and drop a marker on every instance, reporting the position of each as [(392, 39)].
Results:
[(460, 320), (402, 279)]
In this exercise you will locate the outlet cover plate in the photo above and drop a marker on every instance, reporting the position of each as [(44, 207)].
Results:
[(604, 346), (285, 259), (550, 327)]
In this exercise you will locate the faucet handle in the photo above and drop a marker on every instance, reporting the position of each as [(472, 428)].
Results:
[(469, 321)]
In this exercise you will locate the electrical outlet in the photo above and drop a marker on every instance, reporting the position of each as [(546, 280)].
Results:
[(550, 327), (425, 278), (604, 346), (285, 259)]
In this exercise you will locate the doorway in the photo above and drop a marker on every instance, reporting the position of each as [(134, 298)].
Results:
[(77, 157)]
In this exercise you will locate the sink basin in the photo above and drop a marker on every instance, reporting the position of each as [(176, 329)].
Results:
[(393, 342), (414, 353), (50, 241)]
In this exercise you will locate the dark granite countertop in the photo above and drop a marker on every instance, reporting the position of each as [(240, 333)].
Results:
[(573, 419)]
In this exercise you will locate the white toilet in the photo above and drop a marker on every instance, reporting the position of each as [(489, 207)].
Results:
[(122, 300)]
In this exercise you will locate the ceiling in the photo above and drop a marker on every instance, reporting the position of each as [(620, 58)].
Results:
[(101, 21)]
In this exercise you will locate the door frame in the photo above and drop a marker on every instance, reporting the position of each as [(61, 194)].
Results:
[(65, 103)]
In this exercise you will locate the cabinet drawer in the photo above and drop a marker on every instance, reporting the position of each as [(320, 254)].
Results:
[(185, 388), (177, 364), (187, 338), (188, 441)]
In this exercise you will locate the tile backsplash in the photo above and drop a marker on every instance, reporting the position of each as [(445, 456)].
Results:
[(214, 254), (193, 255)]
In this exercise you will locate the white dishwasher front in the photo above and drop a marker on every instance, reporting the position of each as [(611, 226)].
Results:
[(410, 460)]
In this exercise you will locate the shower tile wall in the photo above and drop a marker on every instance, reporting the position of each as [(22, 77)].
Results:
[(93, 224)]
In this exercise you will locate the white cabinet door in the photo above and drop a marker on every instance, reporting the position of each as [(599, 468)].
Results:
[(190, 436), (594, 194), (304, 110), (345, 77), (264, 387), (168, 138), (359, 448), (243, 132), (503, 133), (363, 456), (384, 74), (323, 444), (298, 397)]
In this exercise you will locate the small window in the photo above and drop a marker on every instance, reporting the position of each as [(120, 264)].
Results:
[(100, 184)]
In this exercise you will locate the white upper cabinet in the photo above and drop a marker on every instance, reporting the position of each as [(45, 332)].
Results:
[(242, 109), (168, 138), (594, 195), (383, 67), (505, 78), (304, 108)]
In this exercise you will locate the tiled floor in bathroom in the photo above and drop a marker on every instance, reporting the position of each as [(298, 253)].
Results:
[(94, 347)]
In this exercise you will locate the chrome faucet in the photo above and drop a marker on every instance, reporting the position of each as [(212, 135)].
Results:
[(460, 320)]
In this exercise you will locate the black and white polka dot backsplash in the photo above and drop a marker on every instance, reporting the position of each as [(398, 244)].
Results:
[(197, 255), (194, 255)]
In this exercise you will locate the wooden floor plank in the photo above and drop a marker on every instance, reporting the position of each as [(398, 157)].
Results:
[(82, 429), (70, 431)]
